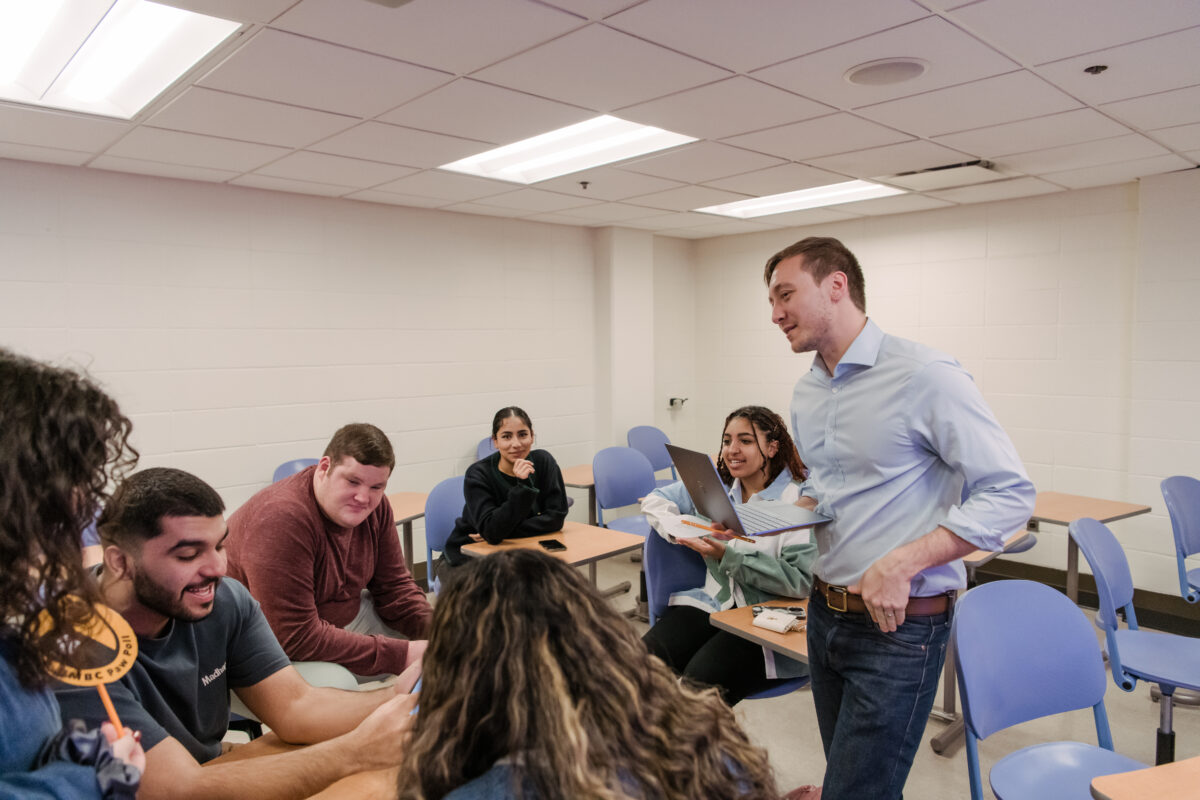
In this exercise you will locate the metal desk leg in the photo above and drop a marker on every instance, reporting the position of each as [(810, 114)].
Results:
[(1072, 570), (592, 519), (951, 736), (406, 542)]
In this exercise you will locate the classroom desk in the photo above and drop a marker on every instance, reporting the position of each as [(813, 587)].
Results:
[(580, 477), (1175, 781), (1063, 509), (407, 507), (586, 544), (740, 622), (378, 784)]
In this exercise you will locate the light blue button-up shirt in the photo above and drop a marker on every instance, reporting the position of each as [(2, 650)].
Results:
[(894, 440)]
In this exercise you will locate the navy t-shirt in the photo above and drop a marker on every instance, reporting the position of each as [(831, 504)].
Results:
[(179, 685)]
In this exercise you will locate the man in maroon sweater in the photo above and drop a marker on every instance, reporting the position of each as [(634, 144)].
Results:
[(319, 552)]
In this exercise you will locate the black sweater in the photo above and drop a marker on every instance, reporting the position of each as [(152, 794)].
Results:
[(502, 507)]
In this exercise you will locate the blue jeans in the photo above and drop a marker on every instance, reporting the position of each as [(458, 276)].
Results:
[(873, 692)]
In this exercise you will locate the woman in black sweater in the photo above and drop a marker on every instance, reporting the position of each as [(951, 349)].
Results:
[(515, 492)]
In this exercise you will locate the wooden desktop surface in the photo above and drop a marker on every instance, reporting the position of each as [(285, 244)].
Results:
[(406, 507), (1179, 780), (1063, 509), (740, 622), (586, 544), (579, 476), (378, 784)]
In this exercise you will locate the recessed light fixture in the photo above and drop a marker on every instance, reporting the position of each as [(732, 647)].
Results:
[(831, 195), (99, 56), (597, 141), (886, 71)]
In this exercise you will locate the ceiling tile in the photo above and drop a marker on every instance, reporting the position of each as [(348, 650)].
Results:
[(1118, 173), (687, 198), (801, 141), (745, 105), (1000, 190), (683, 220), (601, 69), (607, 183), (809, 216), (235, 117), (162, 170), (337, 170), (449, 186), (1037, 31), (991, 101), (743, 38), (1182, 137), (457, 36), (172, 147), (891, 159), (592, 9), (531, 200), (391, 198), (1087, 154), (612, 212), (953, 57), (896, 204), (485, 210), (240, 10), (1155, 65), (727, 227), (1055, 130), (288, 185), (700, 161), (487, 113), (563, 219), (48, 155), (376, 141), (58, 129), (1176, 107), (777, 180), (292, 69)]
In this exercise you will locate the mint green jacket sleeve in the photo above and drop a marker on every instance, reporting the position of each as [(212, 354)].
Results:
[(783, 571)]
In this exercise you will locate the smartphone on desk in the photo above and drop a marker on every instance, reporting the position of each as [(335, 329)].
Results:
[(553, 545), (796, 611)]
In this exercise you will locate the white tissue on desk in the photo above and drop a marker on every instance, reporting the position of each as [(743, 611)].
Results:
[(775, 620)]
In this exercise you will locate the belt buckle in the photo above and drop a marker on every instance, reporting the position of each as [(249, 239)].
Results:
[(831, 592)]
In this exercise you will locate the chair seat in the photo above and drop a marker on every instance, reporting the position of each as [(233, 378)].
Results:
[(1162, 658), (786, 687), (1055, 771), (633, 524)]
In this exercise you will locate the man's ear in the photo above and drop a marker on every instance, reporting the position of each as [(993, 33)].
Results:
[(116, 561), (838, 286)]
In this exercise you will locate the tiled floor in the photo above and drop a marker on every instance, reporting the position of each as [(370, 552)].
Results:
[(787, 728)]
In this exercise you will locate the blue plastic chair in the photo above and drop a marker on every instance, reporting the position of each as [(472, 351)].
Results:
[(1165, 659), (672, 568), (443, 507), (485, 448), (289, 468), (649, 441), (623, 476), (1026, 651), (1182, 496)]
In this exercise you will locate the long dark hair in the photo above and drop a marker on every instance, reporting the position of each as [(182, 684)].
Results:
[(527, 660), (775, 430), (61, 439)]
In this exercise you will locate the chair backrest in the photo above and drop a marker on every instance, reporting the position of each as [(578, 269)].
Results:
[(443, 507), (288, 468), (650, 442), (622, 476), (485, 448), (1182, 496), (669, 568), (1104, 555), (1023, 651)]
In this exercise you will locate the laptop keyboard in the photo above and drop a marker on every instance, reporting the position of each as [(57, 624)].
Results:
[(755, 521)]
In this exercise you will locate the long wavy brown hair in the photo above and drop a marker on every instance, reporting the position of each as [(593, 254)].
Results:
[(526, 660), (772, 426), (61, 438)]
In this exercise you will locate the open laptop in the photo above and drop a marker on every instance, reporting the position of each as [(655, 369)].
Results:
[(702, 482)]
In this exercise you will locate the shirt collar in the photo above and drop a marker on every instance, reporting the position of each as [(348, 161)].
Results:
[(862, 352)]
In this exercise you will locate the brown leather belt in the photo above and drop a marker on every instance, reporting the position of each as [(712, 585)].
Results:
[(838, 599)]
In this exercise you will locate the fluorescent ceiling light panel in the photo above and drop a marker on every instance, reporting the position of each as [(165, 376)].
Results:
[(99, 56), (597, 141), (831, 195)]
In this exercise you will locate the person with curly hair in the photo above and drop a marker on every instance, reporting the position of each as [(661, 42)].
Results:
[(535, 687), (757, 462), (61, 441)]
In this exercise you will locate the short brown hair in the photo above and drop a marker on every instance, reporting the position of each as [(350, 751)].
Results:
[(821, 256), (363, 442)]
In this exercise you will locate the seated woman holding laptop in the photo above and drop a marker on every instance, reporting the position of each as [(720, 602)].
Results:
[(757, 461), (535, 687), (514, 492)]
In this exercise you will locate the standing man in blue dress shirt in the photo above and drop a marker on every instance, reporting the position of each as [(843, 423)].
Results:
[(895, 435)]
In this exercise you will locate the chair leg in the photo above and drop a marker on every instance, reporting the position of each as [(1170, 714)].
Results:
[(1183, 697), (1164, 747)]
